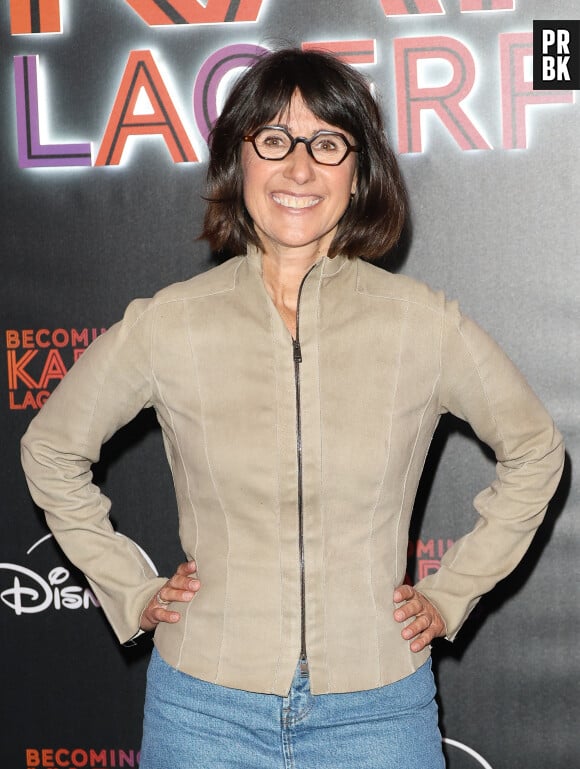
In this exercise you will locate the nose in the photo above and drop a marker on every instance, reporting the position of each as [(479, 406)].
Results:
[(299, 165)]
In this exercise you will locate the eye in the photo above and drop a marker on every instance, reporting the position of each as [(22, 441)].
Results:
[(326, 145), (272, 138), (329, 144)]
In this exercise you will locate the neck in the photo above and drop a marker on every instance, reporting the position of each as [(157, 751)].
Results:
[(282, 279)]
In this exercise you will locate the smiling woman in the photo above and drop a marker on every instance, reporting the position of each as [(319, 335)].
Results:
[(298, 388), (304, 194), (322, 93), (295, 204)]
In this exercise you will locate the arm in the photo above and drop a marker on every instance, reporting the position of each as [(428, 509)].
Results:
[(482, 386), (104, 390)]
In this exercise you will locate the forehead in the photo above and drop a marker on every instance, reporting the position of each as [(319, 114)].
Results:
[(299, 118)]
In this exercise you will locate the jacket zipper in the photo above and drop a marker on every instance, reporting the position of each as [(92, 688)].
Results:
[(297, 353), (297, 356)]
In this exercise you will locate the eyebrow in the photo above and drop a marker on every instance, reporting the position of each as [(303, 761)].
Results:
[(318, 130)]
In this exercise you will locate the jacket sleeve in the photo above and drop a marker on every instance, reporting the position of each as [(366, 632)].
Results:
[(480, 385), (109, 384)]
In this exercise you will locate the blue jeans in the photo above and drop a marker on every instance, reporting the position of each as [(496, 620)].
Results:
[(192, 724)]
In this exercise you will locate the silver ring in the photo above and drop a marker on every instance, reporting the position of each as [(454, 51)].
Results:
[(161, 601)]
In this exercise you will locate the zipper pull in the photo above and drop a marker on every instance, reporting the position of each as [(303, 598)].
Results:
[(297, 351), (304, 672)]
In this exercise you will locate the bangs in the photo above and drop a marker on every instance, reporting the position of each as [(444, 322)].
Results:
[(324, 91)]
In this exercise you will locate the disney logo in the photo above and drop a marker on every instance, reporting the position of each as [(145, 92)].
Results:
[(470, 752), (30, 593)]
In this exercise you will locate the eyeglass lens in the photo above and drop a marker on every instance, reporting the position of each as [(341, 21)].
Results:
[(273, 143)]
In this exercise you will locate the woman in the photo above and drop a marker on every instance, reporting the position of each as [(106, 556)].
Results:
[(298, 389)]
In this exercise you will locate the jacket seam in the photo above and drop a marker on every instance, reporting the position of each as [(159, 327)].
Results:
[(156, 301), (322, 494), (377, 499), (403, 489), (278, 508), (186, 474), (396, 298), (412, 456), (219, 498)]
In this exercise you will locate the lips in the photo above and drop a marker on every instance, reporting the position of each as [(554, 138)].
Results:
[(296, 201)]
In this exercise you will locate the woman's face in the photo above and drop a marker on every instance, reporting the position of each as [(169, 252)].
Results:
[(296, 203)]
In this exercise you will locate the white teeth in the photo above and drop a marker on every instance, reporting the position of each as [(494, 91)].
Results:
[(293, 202)]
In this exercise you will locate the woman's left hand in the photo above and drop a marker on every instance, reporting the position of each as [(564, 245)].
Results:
[(427, 623)]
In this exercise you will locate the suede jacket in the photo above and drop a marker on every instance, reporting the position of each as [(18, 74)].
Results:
[(295, 464)]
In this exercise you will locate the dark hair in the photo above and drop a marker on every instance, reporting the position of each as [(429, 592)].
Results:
[(336, 94)]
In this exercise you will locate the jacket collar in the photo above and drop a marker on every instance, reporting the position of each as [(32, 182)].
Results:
[(329, 267)]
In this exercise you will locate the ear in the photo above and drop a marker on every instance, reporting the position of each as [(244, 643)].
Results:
[(354, 183)]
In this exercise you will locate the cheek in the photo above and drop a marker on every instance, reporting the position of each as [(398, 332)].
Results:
[(249, 182), (253, 184), (246, 180), (345, 187), (344, 183)]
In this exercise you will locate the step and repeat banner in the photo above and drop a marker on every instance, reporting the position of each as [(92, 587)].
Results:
[(105, 111)]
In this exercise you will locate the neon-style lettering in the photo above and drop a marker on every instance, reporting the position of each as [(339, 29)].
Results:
[(211, 74), (34, 17), (54, 368), (467, 6), (167, 12), (31, 152), (444, 100), (424, 7), (411, 7), (142, 74), (17, 369), (517, 93), (349, 51)]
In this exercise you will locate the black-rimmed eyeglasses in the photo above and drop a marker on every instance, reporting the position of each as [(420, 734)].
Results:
[(274, 142)]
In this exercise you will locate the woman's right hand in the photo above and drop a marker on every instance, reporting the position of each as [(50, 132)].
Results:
[(182, 587)]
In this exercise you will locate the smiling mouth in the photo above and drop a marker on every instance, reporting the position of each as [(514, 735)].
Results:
[(291, 201)]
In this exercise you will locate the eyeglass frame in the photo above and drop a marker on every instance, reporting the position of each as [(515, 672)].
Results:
[(294, 140)]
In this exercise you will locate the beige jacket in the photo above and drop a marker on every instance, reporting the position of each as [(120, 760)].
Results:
[(380, 359)]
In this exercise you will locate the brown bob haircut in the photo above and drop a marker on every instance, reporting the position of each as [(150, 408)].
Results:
[(335, 93)]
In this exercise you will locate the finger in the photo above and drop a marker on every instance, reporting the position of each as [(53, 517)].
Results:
[(423, 630), (403, 593), (154, 614), (186, 577), (181, 585), (421, 642), (418, 626), (410, 609), (169, 594), (165, 615), (178, 582), (187, 568)]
